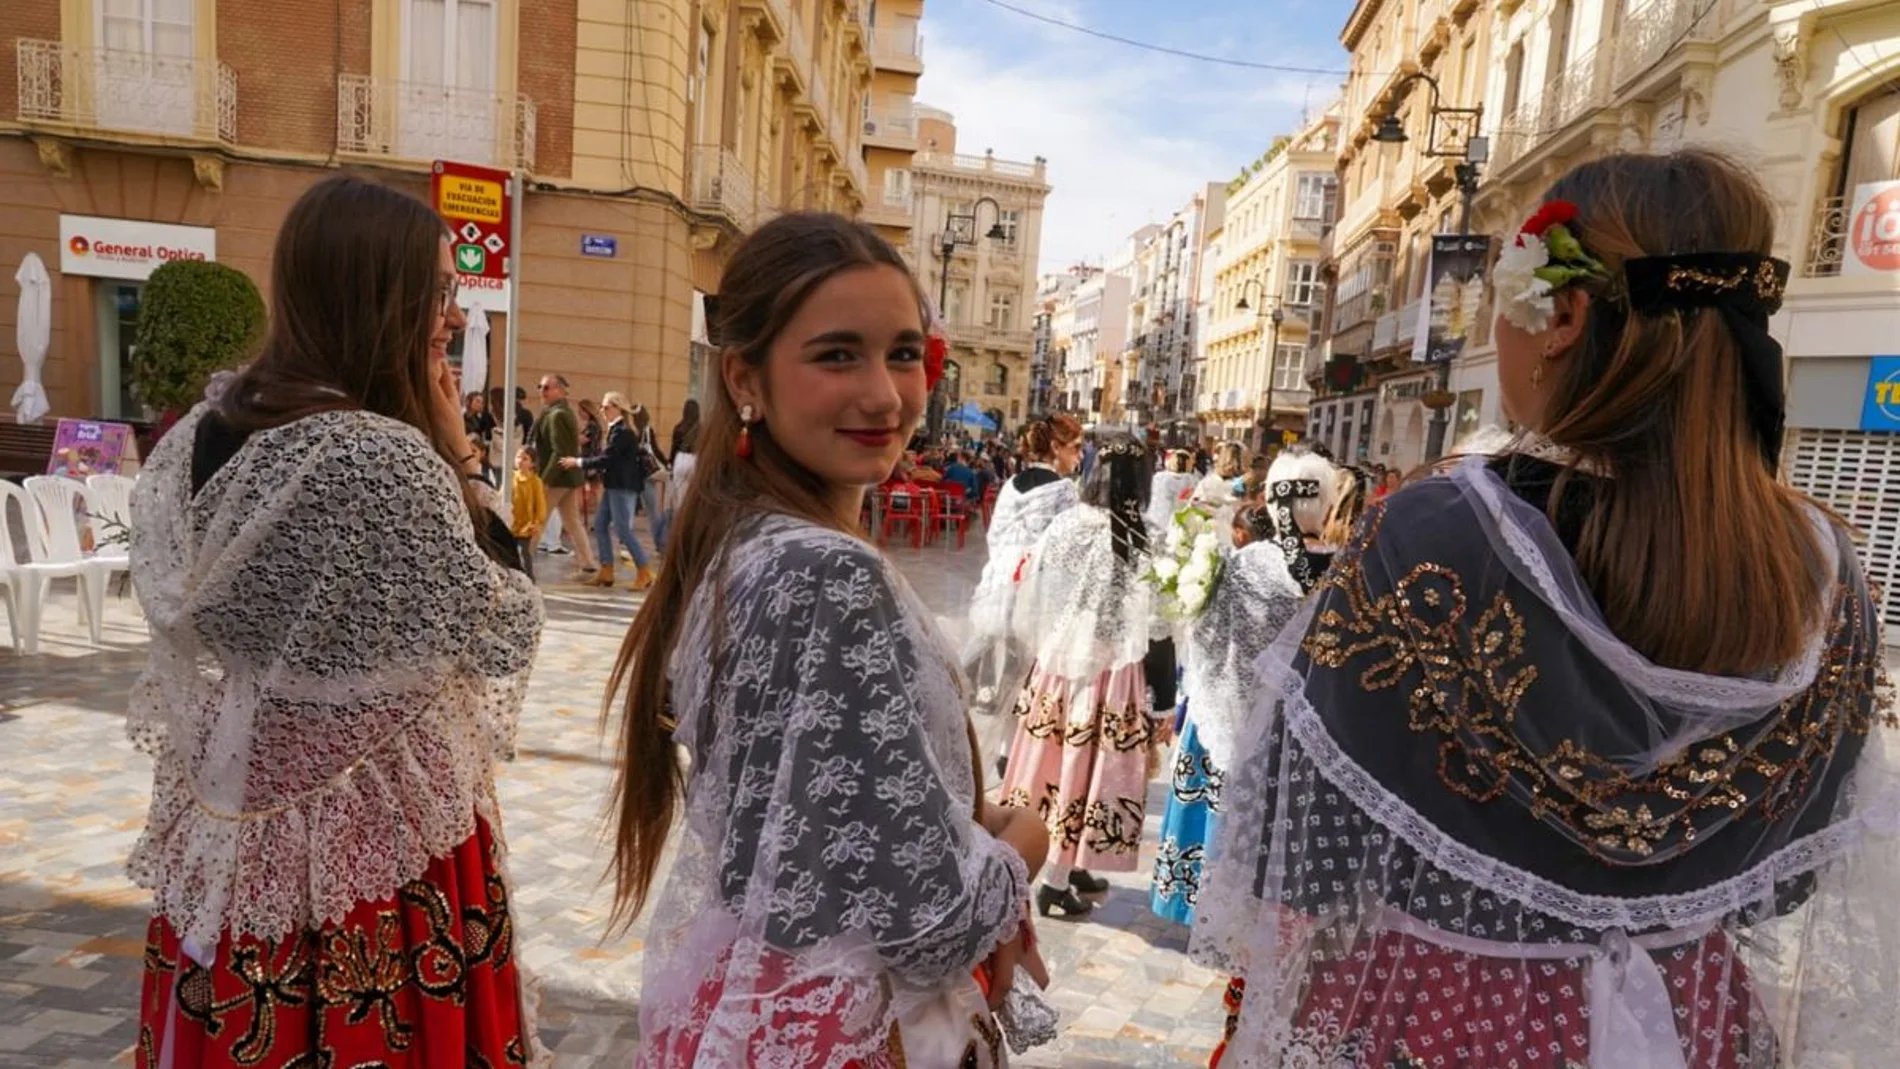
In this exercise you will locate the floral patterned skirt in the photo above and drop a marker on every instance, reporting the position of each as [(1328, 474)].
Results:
[(1081, 757), (1186, 828), (426, 978)]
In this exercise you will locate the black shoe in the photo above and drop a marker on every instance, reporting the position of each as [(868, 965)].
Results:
[(1087, 883), (1060, 899)]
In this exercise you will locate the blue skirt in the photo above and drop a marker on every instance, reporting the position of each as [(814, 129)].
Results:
[(1186, 827)]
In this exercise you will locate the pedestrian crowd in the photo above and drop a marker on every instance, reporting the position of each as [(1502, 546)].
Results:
[(1574, 752)]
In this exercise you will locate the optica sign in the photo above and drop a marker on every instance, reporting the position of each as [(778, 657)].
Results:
[(128, 248)]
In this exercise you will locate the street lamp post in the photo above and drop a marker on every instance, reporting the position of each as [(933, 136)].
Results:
[(959, 231), (1472, 153), (1275, 315)]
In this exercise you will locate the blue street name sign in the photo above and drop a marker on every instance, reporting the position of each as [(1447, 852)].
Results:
[(599, 245)]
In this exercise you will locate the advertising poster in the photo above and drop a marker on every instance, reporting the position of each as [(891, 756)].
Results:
[(1457, 291), (84, 447)]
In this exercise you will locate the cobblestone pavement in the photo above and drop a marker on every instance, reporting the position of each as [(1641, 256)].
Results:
[(73, 795)]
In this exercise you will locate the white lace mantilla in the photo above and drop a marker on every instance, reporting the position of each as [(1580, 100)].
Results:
[(1082, 609), (1017, 523), (831, 879), (1251, 604), (335, 665)]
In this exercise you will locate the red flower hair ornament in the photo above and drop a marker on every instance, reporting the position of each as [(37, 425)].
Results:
[(936, 349)]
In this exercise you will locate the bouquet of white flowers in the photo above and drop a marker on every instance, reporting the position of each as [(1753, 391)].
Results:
[(1185, 568)]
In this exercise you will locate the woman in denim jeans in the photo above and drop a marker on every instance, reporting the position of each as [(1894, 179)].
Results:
[(623, 468), (649, 443)]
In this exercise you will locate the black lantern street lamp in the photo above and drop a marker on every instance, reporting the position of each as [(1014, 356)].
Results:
[(1472, 151), (959, 231)]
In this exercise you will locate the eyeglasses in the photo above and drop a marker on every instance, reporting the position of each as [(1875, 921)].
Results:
[(445, 296)]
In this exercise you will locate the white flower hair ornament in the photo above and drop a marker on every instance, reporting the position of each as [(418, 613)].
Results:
[(1543, 258)]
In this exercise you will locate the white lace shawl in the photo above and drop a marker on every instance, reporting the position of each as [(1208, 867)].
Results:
[(1083, 610), (1168, 493), (1252, 602), (1016, 524), (334, 666), (830, 868)]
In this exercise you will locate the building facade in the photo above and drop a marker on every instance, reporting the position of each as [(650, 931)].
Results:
[(890, 116), (1372, 392), (1159, 367), (1266, 293), (652, 138), (1049, 338), (1096, 321), (976, 235)]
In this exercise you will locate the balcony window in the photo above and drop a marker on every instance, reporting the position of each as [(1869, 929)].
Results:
[(1289, 368), (144, 73), (447, 108), (1010, 219), (998, 383), (1315, 196), (1302, 283), (1003, 311)]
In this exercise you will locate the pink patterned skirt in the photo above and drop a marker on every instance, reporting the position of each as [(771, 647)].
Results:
[(1082, 756)]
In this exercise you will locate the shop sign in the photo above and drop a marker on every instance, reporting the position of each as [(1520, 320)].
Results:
[(1404, 390), (1873, 230), (476, 203), (1881, 411), (481, 291), (128, 248)]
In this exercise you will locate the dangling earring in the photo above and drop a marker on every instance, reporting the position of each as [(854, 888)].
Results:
[(1537, 373), (744, 448)]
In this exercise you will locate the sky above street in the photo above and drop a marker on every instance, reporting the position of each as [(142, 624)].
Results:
[(1129, 134)]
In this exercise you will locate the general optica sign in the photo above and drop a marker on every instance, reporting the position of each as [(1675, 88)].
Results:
[(128, 248)]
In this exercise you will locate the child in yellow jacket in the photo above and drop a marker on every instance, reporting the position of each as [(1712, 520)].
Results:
[(530, 506)]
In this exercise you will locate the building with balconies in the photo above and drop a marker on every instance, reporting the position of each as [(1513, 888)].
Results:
[(890, 116), (1095, 321), (654, 136), (1370, 388), (1050, 331), (987, 285), (1267, 289), (1158, 369)]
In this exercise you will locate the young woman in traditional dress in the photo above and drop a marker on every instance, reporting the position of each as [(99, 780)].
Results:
[(1580, 756), (1029, 502), (1080, 755), (838, 885), (1254, 597), (341, 638)]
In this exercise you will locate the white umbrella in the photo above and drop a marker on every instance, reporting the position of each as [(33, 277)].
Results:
[(34, 330), (475, 353)]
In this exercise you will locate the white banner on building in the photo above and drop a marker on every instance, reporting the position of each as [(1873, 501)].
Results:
[(1872, 245), (128, 248)]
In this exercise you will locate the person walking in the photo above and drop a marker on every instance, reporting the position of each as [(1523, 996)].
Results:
[(1580, 753), (647, 441), (623, 470), (685, 445), (840, 896), (557, 434), (341, 638)]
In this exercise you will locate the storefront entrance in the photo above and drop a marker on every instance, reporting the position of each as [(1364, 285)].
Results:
[(117, 305)]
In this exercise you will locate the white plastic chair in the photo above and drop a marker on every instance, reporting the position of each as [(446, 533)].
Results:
[(111, 500), (59, 501), (13, 579)]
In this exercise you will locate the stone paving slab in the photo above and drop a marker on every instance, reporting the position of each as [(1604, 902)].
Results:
[(73, 794)]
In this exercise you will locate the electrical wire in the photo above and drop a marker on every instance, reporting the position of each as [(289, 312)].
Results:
[(1199, 57)]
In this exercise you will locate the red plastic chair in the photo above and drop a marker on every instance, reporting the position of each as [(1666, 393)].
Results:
[(953, 511), (905, 506), (989, 504)]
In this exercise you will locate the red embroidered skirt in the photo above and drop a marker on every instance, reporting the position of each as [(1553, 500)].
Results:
[(426, 978)]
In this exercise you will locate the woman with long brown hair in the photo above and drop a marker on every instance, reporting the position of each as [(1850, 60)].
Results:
[(1581, 755), (341, 638), (838, 883)]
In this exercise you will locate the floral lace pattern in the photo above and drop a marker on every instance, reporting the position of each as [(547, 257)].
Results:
[(1017, 523), (1255, 599), (335, 665), (1083, 610), (831, 881)]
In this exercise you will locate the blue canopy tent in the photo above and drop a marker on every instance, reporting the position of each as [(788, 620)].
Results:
[(970, 415)]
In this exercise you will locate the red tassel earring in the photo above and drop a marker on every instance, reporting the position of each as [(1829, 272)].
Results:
[(744, 448)]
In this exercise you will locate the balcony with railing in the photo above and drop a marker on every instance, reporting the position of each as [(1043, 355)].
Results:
[(178, 97), (1653, 30), (418, 121), (898, 49), (722, 186), (795, 55), (777, 15), (1827, 241), (891, 127), (1583, 88), (987, 163)]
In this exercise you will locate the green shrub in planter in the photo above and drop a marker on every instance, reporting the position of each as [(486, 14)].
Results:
[(195, 317)]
